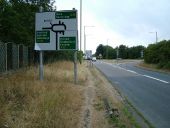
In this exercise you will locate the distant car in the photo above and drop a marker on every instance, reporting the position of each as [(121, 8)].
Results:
[(93, 58)]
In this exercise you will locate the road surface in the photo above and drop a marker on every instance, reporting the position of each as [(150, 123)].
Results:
[(148, 91)]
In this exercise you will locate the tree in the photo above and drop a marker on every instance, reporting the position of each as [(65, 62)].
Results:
[(123, 51), (100, 50), (107, 52), (17, 19), (135, 52), (158, 53)]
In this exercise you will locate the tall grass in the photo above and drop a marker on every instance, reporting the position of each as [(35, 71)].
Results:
[(26, 102)]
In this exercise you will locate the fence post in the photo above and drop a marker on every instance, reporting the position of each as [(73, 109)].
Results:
[(6, 57)]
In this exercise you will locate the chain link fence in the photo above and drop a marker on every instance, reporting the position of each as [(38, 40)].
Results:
[(13, 56)]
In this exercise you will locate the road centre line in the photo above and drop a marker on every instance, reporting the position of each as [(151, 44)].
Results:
[(156, 79), (132, 71), (163, 81)]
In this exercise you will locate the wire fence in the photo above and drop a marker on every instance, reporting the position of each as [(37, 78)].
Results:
[(15, 56)]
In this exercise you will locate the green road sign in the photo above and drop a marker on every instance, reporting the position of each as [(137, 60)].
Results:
[(65, 15), (50, 26), (43, 36), (67, 43)]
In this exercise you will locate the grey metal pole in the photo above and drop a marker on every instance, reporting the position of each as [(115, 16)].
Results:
[(80, 23), (41, 72), (156, 37), (117, 52), (107, 49), (84, 39), (75, 67)]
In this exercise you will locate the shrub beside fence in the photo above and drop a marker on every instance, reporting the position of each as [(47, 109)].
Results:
[(15, 56)]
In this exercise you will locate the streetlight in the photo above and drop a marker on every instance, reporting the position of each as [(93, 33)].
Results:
[(117, 52), (85, 37), (80, 23), (156, 34), (107, 49)]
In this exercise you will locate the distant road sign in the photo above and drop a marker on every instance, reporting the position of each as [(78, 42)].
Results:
[(66, 15), (56, 30)]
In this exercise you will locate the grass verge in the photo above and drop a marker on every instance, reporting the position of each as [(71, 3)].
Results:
[(152, 67), (26, 102), (106, 90)]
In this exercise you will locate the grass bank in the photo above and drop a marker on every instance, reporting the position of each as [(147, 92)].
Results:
[(26, 102), (153, 67)]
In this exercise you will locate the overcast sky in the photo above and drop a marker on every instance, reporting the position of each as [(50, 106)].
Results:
[(127, 22)]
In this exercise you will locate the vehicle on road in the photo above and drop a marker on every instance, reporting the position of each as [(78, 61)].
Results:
[(94, 59)]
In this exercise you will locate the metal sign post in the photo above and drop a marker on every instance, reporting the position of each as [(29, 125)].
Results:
[(56, 31), (75, 67), (41, 69)]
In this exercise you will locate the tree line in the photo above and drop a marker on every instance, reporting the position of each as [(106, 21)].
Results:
[(159, 54), (122, 51)]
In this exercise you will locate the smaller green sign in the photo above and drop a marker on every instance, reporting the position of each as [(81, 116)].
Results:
[(42, 36), (65, 15), (67, 43)]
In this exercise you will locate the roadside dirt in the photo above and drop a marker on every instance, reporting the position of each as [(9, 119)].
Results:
[(94, 113)]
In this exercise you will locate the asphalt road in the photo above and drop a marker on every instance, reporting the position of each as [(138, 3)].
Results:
[(148, 91)]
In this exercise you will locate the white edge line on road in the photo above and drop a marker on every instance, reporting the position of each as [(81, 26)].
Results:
[(156, 79)]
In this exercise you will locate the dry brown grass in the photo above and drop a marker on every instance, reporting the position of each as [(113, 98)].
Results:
[(152, 67), (26, 102)]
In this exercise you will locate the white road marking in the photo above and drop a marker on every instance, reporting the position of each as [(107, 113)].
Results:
[(132, 71), (156, 79), (163, 81)]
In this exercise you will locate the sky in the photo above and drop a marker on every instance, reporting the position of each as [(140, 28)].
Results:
[(116, 22)]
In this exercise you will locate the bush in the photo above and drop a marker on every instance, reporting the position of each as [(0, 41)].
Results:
[(158, 53)]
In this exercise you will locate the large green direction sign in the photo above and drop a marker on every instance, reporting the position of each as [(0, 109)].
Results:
[(65, 15), (43, 36), (56, 30), (67, 43)]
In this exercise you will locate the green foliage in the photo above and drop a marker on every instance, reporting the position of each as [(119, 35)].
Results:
[(80, 56), (123, 52), (17, 20), (108, 52), (100, 50), (135, 52), (62, 55), (159, 54)]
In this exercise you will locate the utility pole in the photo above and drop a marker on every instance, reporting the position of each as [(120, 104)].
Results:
[(156, 35), (107, 49), (117, 52), (85, 37), (80, 24)]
